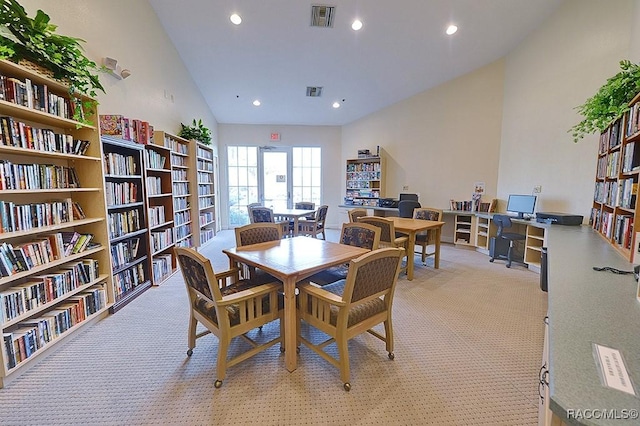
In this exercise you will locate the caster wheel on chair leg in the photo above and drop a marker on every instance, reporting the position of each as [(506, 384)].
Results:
[(391, 356), (218, 384), (508, 266), (281, 349), (491, 260), (347, 386), (189, 352)]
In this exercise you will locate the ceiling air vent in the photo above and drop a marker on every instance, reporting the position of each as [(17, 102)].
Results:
[(322, 16), (314, 91)]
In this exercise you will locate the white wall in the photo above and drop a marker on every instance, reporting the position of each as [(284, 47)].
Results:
[(554, 70), (130, 32), (326, 137), (439, 142)]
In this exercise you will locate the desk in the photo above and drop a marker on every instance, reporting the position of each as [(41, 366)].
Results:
[(377, 211), (294, 214), (290, 260), (411, 227)]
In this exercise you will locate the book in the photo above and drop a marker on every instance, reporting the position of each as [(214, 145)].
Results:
[(112, 125)]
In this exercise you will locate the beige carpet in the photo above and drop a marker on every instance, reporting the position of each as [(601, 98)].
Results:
[(467, 352)]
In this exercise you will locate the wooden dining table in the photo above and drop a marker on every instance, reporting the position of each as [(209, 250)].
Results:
[(411, 227), (293, 214), (291, 260)]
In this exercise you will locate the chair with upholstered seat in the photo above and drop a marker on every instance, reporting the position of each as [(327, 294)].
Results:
[(314, 226), (427, 238), (388, 236), (255, 233), (261, 214), (353, 234), (227, 307), (504, 222), (406, 208), (250, 208), (349, 307), (354, 214)]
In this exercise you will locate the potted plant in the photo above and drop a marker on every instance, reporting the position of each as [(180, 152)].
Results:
[(610, 102), (196, 131), (35, 40)]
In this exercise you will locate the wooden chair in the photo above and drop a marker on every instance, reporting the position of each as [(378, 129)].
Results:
[(255, 233), (354, 214), (249, 208), (347, 308), (261, 214), (315, 226), (227, 307), (427, 238), (306, 205), (388, 237), (353, 234)]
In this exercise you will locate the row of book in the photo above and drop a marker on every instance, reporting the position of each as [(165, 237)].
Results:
[(119, 193), (156, 216), (154, 160), (180, 188), (125, 281), (621, 193), (161, 267), (466, 206), (161, 239), (176, 146), (623, 231), (124, 252), (37, 176), (179, 175), (611, 137), (24, 341), (204, 153), (19, 134), (35, 96), (122, 223), (207, 202), (632, 118), (48, 248), (44, 289), (205, 178), (154, 185), (364, 167), (180, 203), (23, 217), (631, 158), (182, 218), (206, 235), (206, 218), (183, 230), (119, 165), (129, 129), (204, 165), (179, 161), (363, 176)]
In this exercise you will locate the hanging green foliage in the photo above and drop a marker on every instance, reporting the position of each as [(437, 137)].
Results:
[(196, 131)]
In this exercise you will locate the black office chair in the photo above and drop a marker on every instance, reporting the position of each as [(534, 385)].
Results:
[(504, 222), (405, 196), (406, 207)]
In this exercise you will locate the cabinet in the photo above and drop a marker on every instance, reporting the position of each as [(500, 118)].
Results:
[(127, 219), (464, 229), (181, 174), (157, 160), (204, 187), (54, 263), (615, 202), (364, 181), (535, 240), (484, 230)]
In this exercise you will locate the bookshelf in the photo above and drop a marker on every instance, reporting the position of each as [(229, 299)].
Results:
[(204, 187), (364, 181), (485, 229), (464, 229), (55, 267), (126, 218), (181, 175), (157, 161), (614, 214)]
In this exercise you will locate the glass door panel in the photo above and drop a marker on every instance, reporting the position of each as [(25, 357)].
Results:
[(275, 183)]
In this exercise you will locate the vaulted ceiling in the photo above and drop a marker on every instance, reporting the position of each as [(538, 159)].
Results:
[(275, 53)]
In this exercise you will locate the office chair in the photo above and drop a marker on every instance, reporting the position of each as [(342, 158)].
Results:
[(406, 207), (503, 222), (411, 197)]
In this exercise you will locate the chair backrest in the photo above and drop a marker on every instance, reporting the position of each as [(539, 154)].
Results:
[(406, 208), (321, 215), (502, 221), (249, 208), (428, 213), (198, 274), (354, 214), (411, 197), (305, 205), (373, 274), (387, 229), (262, 214), (255, 233), (360, 235)]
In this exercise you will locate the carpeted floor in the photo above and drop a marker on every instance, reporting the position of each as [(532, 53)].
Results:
[(468, 344)]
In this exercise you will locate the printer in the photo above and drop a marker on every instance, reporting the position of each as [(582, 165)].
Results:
[(559, 218), (388, 202)]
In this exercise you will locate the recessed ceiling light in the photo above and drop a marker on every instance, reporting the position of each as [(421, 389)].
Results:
[(357, 25), (336, 104), (236, 19), (451, 29), (256, 103)]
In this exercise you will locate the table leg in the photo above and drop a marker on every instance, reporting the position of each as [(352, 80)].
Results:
[(290, 324), (410, 255), (436, 261)]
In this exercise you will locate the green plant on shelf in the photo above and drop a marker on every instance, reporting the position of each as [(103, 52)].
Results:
[(609, 103), (196, 131), (36, 40)]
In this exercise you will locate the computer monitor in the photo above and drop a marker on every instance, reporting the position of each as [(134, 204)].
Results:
[(521, 204)]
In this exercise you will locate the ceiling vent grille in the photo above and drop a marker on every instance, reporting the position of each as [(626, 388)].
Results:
[(314, 91), (322, 16)]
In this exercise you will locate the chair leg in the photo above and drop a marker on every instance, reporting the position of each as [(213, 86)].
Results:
[(509, 254), (343, 353), (424, 254), (193, 323), (388, 334), (221, 367)]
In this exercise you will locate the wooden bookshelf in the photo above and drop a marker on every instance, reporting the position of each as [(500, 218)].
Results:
[(365, 183), (160, 200), (614, 214), (181, 155), (204, 188), (53, 230), (126, 219)]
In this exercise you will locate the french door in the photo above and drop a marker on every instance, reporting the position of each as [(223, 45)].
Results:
[(274, 183)]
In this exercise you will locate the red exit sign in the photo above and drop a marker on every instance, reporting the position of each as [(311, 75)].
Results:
[(275, 137)]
